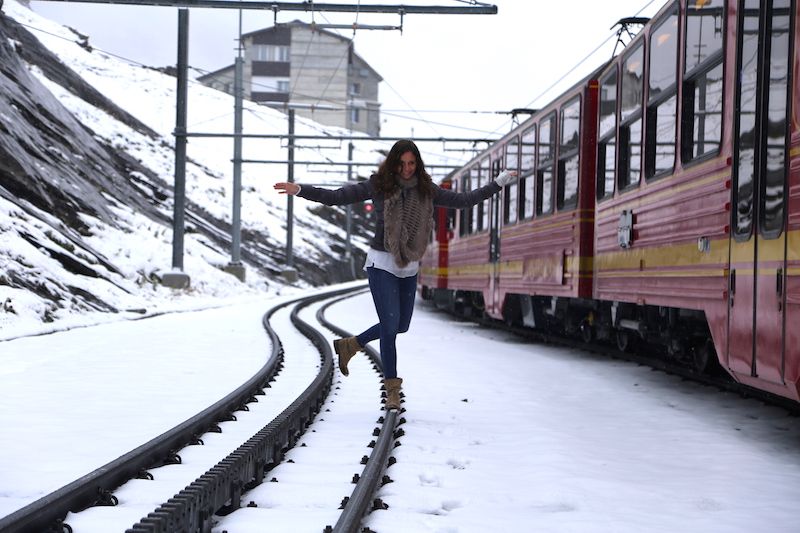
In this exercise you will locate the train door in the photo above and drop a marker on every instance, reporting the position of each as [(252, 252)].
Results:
[(495, 223), (758, 237)]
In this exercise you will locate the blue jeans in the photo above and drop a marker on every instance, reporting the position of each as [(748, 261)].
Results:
[(394, 303)]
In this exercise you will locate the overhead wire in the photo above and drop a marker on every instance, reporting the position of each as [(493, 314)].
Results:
[(571, 70)]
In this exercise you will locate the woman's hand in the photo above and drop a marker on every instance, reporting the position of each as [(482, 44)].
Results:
[(287, 188), (506, 177)]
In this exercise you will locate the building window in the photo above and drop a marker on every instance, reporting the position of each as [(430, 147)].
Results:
[(355, 89), (266, 84), (355, 115), (271, 52)]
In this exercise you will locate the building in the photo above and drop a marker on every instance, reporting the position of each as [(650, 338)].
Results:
[(316, 70)]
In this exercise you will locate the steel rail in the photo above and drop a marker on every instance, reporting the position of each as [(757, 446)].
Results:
[(220, 489), (48, 513), (362, 500)]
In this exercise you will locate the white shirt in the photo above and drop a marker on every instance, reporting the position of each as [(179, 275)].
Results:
[(385, 261)]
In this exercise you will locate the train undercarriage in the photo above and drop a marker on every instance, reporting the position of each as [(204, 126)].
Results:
[(681, 336)]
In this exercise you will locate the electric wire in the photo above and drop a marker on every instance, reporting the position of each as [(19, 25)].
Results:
[(320, 99), (571, 70)]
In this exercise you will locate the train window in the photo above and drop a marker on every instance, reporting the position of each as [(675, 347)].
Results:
[(569, 154), (704, 31), (483, 206), (510, 193), (747, 89), (464, 215), (702, 114), (630, 132), (701, 109), (772, 204), (475, 182), (662, 100), (762, 130), (527, 179), (607, 135), (546, 165)]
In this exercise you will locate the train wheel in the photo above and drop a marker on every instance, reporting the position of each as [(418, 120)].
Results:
[(623, 340), (587, 331), (704, 358)]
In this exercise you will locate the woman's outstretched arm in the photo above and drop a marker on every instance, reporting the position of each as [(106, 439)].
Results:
[(348, 194), (458, 200)]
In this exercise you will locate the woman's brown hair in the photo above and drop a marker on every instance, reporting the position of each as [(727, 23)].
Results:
[(387, 172)]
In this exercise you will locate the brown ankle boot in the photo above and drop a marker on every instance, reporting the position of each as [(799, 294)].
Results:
[(346, 348), (393, 393)]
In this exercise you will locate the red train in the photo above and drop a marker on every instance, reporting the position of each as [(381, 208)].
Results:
[(658, 200)]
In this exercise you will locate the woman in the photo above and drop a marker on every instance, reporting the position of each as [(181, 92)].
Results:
[(403, 196)]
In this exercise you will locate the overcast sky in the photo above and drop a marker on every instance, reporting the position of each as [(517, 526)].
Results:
[(453, 64)]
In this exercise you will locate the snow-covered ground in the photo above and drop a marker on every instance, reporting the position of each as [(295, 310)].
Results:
[(500, 433)]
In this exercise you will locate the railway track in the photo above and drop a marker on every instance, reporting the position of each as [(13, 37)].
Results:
[(299, 391)]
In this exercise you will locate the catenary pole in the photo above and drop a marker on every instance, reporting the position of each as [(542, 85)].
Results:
[(349, 252), (289, 197), (177, 279), (235, 267)]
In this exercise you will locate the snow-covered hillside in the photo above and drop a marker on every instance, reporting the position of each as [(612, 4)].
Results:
[(86, 174)]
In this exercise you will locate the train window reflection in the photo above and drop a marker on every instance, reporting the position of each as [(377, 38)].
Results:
[(630, 133), (608, 105), (570, 125), (465, 223), (631, 97), (661, 120), (510, 193), (704, 32), (606, 146), (569, 154), (775, 153), (630, 139), (748, 90), (702, 110), (663, 56), (662, 98), (526, 170), (546, 165), (475, 181), (483, 207)]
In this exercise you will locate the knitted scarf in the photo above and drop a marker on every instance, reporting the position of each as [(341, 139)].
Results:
[(407, 220)]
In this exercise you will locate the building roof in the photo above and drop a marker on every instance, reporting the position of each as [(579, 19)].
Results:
[(215, 74), (312, 27)]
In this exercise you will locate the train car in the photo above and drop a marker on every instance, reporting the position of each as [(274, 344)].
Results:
[(536, 237), (688, 174), (696, 218)]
